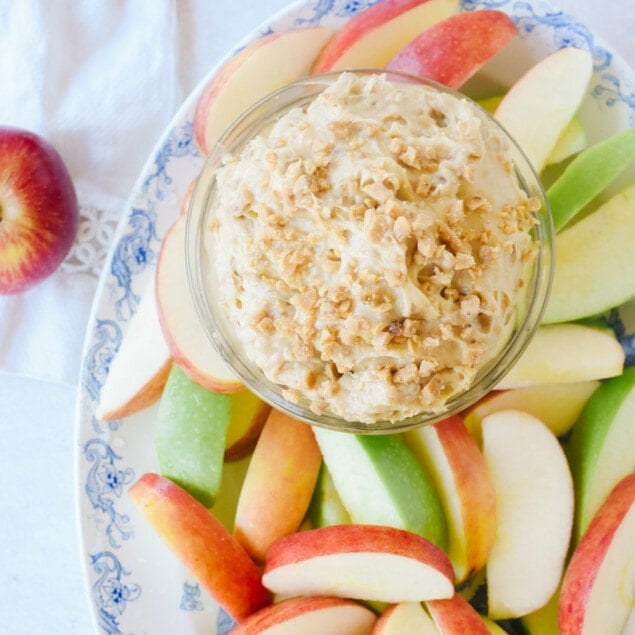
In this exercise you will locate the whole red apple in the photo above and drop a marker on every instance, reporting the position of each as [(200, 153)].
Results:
[(39, 214)]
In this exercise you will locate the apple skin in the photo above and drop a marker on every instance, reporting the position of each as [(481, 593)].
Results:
[(202, 543), (247, 417), (366, 562), (371, 38), (39, 213), (453, 50), (456, 616), (279, 484), (453, 459), (597, 594), (314, 615)]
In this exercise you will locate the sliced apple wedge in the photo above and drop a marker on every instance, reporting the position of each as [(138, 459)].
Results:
[(191, 427), (588, 174), (593, 265), (326, 506), (279, 484), (598, 590), (183, 331), (201, 542), (141, 365), (566, 353), (456, 616), (405, 617), (368, 562), (310, 616), (263, 66), (539, 106), (558, 406), (378, 477), (453, 50), (452, 458), (602, 445), (247, 416), (372, 37), (534, 502)]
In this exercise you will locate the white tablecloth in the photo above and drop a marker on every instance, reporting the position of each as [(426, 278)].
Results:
[(40, 576)]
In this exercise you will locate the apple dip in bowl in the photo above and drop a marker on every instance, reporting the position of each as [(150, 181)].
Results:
[(368, 251)]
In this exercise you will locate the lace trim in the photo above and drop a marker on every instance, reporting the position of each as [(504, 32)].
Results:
[(94, 238)]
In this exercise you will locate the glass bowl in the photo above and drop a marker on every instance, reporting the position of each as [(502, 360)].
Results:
[(528, 307)]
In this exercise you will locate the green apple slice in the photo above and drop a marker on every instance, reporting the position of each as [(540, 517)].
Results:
[(594, 260), (326, 506), (588, 174), (190, 435), (566, 353), (602, 445), (380, 482)]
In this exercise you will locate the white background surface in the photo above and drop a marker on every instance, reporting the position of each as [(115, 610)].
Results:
[(40, 574)]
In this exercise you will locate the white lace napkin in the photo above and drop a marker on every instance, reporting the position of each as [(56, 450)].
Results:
[(100, 80)]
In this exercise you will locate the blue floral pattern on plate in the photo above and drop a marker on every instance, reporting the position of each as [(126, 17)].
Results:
[(110, 455)]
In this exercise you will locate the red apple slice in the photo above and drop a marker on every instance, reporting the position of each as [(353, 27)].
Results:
[(369, 562), (310, 616), (141, 366), (457, 467), (405, 617), (598, 589), (260, 68), (183, 331), (372, 37), (202, 543), (453, 50), (279, 484), (456, 616)]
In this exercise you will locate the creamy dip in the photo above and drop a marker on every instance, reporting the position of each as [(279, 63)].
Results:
[(368, 248)]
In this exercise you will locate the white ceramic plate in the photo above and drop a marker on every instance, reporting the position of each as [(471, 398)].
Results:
[(134, 582)]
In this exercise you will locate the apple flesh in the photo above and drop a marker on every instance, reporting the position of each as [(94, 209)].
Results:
[(138, 372), (593, 264), (279, 484), (598, 593), (366, 562), (377, 478), (310, 616), (247, 417), (263, 66), (202, 543), (455, 616), (452, 458), (601, 448), (534, 503), (374, 36), (405, 617), (453, 50), (326, 506), (540, 105), (183, 331), (39, 214), (588, 174), (566, 353), (558, 406), (190, 435)]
